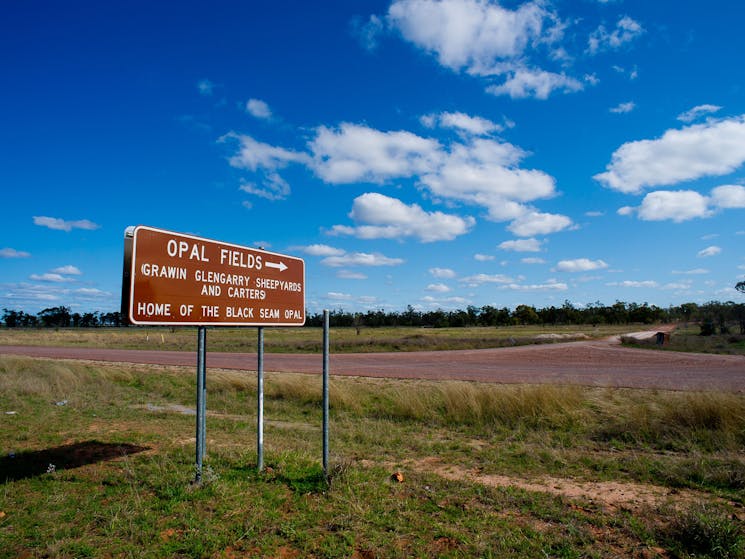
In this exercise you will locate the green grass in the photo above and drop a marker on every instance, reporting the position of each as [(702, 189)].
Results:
[(688, 338), (108, 474), (302, 340)]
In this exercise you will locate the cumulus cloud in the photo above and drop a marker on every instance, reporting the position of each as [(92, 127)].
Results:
[(68, 270), (580, 265), (254, 155), (532, 261), (485, 172), (13, 253), (438, 288), (521, 245), (442, 273), (694, 272), (483, 257), (683, 205), (361, 259), (709, 251), (273, 187), (355, 153), (548, 286), (474, 125), (623, 108), (348, 274), (480, 279), (474, 35), (389, 218), (322, 250), (626, 30), (677, 206), (258, 109), (484, 39), (728, 196), (50, 277), (697, 111), (476, 170), (714, 148), (633, 283), (538, 223), (62, 225), (529, 82)]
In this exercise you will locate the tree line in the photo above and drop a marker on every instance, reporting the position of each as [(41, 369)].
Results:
[(714, 316)]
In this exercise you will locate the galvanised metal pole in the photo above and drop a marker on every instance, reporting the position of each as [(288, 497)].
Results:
[(326, 393), (204, 391), (201, 407), (260, 402)]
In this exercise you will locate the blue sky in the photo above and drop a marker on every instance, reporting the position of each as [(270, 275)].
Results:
[(432, 153)]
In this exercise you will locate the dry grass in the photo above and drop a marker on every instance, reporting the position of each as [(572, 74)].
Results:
[(143, 505)]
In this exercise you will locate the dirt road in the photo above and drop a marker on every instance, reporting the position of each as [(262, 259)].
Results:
[(590, 363)]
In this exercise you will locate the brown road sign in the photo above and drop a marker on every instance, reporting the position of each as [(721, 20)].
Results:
[(177, 279)]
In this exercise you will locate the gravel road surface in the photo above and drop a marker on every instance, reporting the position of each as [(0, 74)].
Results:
[(589, 363)]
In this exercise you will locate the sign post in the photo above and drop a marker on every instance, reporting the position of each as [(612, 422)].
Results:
[(175, 279)]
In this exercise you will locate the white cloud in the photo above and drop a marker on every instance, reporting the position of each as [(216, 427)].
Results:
[(678, 206), (548, 286), (480, 171), (697, 111), (633, 284), (709, 251), (521, 245), (677, 285), (389, 218), (537, 223), (626, 31), (483, 257), (13, 253), (322, 250), (532, 261), (336, 296), (355, 153), (479, 279), (728, 196), (472, 34), (348, 274), (711, 149), (694, 272), (485, 172), (438, 288), (254, 155), (580, 265), (530, 82), (67, 270), (259, 109), (361, 259), (623, 108), (442, 273), (274, 187), (62, 225), (50, 277), (474, 125), (91, 293)]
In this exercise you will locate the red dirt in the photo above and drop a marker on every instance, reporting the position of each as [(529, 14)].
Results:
[(590, 363)]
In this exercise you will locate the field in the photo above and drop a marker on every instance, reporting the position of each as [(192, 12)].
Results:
[(302, 340), (97, 461)]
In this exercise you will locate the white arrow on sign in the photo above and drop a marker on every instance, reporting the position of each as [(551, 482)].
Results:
[(281, 266)]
